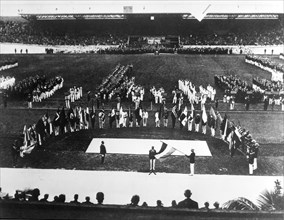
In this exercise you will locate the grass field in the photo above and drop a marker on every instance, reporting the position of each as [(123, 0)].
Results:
[(88, 70)]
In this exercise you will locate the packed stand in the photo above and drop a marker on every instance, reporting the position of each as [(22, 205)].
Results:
[(263, 37), (8, 64), (20, 32)]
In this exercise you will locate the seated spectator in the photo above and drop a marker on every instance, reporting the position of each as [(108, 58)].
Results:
[(55, 199), (188, 203), (44, 199), (144, 204), (34, 195), (87, 202), (134, 200), (100, 198), (159, 204), (61, 198), (216, 205), (75, 201), (174, 203), (206, 206)]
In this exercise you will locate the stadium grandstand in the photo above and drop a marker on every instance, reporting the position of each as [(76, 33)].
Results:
[(142, 109)]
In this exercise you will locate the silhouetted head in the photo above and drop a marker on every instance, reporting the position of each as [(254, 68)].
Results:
[(100, 197), (174, 203), (187, 193), (135, 200), (216, 205), (76, 196)]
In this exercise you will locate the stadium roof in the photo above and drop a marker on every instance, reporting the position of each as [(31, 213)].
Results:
[(118, 9)]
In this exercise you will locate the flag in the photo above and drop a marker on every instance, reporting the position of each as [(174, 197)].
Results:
[(212, 112), (26, 136), (174, 111), (204, 115), (165, 152), (224, 126), (183, 116)]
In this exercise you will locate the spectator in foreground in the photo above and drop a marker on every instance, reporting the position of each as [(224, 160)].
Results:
[(188, 203), (100, 198), (159, 204), (87, 201), (134, 200), (75, 201), (216, 205), (44, 199), (174, 203), (206, 206)]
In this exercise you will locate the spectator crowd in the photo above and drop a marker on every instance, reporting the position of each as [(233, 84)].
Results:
[(33, 195)]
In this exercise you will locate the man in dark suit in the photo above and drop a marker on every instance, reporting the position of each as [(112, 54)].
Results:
[(188, 203), (152, 159), (102, 152)]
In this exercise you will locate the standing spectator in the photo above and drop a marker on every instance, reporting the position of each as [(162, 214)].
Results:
[(102, 152), (273, 103), (30, 99), (144, 117), (5, 98), (197, 122), (101, 119), (152, 159), (216, 104), (93, 118), (191, 161), (15, 150), (157, 119), (251, 161), (266, 103), (174, 116), (188, 202), (166, 116), (247, 102)]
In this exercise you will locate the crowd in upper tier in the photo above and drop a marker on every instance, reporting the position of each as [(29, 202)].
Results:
[(23, 32)]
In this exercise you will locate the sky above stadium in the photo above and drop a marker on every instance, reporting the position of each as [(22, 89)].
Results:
[(15, 7)]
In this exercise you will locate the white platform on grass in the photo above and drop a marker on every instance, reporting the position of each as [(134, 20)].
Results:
[(119, 187), (142, 146)]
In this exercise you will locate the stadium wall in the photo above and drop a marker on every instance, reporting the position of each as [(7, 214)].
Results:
[(9, 48), (35, 210)]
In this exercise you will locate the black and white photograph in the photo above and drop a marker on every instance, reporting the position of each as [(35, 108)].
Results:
[(141, 109)]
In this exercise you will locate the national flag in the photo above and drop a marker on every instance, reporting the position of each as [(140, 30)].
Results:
[(224, 126), (174, 111), (212, 112), (26, 136), (204, 115), (183, 116), (165, 152)]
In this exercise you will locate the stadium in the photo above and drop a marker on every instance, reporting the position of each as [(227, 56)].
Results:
[(89, 88)]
